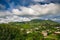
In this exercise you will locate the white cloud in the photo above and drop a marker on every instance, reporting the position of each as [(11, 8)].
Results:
[(4, 13), (13, 19), (38, 9), (16, 11), (32, 10), (39, 0), (16, 19), (46, 9)]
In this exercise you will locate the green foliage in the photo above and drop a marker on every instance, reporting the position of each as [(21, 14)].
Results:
[(31, 30), (7, 32)]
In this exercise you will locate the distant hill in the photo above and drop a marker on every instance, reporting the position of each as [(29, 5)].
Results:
[(37, 22)]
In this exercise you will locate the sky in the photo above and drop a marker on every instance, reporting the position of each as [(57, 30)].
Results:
[(26, 10)]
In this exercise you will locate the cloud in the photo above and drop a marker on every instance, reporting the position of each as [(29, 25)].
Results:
[(16, 19), (48, 1), (39, 0), (5, 13), (46, 9), (38, 9), (31, 12), (54, 1)]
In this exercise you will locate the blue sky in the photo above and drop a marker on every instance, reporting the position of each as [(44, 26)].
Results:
[(7, 3), (25, 10)]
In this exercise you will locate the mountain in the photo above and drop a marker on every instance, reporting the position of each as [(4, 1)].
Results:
[(36, 22)]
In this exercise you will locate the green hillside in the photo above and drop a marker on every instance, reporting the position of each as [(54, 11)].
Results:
[(30, 30)]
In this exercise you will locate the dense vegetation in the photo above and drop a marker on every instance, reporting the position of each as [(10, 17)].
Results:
[(32, 30)]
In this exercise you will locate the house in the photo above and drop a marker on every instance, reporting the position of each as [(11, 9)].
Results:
[(57, 32), (44, 33)]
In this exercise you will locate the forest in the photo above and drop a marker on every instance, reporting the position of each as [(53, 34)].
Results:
[(30, 30)]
